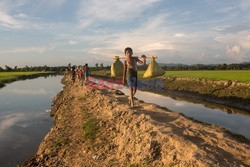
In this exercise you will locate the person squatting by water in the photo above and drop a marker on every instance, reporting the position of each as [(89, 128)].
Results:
[(130, 69)]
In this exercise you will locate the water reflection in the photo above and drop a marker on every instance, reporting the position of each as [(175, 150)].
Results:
[(39, 91), (23, 120)]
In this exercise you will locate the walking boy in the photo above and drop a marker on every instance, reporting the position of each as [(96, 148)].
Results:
[(130, 67)]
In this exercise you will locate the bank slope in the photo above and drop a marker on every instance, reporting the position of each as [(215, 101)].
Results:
[(98, 128)]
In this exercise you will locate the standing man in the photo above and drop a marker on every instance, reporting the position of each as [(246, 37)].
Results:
[(130, 68)]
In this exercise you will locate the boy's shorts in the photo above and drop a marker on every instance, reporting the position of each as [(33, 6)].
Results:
[(132, 77)]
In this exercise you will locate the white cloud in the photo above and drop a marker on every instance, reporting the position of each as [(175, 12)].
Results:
[(236, 53), (227, 9), (202, 56), (6, 19), (179, 35), (21, 3), (234, 49), (21, 16), (112, 10), (245, 5), (50, 3), (85, 22), (104, 53), (57, 2), (148, 37), (163, 45), (245, 42), (29, 50), (9, 19), (71, 42), (69, 58), (237, 45), (9, 22)]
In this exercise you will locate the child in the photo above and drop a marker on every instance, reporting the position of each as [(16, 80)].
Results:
[(73, 74), (81, 75), (130, 67), (86, 73)]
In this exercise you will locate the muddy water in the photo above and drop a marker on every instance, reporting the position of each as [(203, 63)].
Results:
[(234, 120), (24, 121)]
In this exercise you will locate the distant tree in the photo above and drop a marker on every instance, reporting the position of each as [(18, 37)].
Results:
[(108, 67), (96, 65), (7, 68), (26, 68), (46, 68), (101, 65), (1, 69), (69, 66)]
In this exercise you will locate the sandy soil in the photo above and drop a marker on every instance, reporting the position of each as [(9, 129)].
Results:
[(146, 135)]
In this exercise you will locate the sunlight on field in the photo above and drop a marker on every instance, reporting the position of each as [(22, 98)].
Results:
[(233, 75), (11, 75)]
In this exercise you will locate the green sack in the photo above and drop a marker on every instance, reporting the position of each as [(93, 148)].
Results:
[(117, 68), (153, 70)]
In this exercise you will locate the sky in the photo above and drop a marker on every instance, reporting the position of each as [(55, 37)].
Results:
[(58, 32)]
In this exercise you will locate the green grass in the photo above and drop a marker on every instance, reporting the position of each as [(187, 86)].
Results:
[(90, 126), (7, 76), (233, 75)]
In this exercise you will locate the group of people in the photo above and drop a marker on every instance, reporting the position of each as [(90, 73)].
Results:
[(80, 73)]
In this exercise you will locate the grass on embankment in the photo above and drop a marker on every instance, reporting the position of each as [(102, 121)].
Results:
[(6, 77), (217, 89), (215, 75)]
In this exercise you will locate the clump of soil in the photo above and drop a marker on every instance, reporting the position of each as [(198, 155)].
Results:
[(98, 128)]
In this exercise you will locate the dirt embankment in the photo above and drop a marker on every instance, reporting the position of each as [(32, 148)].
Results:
[(231, 93), (208, 87), (98, 128)]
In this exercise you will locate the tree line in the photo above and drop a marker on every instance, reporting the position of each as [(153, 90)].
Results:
[(97, 67), (234, 66), (6, 68), (32, 68)]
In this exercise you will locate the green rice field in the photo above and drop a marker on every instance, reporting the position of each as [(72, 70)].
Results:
[(7, 76), (233, 75)]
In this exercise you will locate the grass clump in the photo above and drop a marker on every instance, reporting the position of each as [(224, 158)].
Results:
[(57, 145), (90, 126)]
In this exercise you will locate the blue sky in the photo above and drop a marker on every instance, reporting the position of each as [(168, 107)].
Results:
[(58, 32)]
